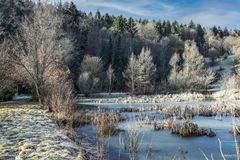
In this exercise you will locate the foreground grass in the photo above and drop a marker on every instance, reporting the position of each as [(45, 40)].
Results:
[(26, 132)]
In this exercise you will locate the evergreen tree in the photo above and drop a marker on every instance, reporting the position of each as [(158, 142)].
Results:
[(108, 20), (73, 10), (158, 29), (225, 32), (164, 26), (119, 24), (192, 25), (168, 28), (220, 32), (74, 27), (175, 27), (200, 40), (12, 13), (181, 32), (215, 30), (131, 27), (144, 22), (98, 15), (119, 60), (90, 15)]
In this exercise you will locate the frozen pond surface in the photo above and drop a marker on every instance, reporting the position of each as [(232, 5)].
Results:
[(166, 145)]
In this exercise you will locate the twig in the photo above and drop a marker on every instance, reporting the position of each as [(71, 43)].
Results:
[(205, 156), (220, 147)]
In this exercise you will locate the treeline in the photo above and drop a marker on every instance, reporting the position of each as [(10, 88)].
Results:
[(114, 53)]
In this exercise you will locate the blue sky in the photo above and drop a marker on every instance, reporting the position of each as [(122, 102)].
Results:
[(224, 13)]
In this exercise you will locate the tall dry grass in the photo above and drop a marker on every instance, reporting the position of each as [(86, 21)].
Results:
[(106, 123)]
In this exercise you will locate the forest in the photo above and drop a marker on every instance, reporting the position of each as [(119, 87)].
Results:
[(100, 46)]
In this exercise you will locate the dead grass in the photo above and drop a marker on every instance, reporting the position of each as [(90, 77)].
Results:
[(106, 123), (184, 128)]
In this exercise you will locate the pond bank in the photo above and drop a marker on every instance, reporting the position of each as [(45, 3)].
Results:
[(26, 132)]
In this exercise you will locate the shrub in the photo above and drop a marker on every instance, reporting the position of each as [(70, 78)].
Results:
[(8, 93)]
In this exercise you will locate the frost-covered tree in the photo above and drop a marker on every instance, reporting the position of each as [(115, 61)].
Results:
[(148, 31), (110, 76), (206, 78), (193, 75), (174, 63), (91, 71), (146, 70), (232, 45), (215, 45), (193, 60), (131, 73)]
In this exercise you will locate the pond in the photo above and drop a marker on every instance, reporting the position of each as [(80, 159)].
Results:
[(165, 145)]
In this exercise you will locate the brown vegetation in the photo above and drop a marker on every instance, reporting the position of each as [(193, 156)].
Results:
[(184, 128), (106, 123)]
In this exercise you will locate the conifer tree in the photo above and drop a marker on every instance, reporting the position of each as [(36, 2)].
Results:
[(168, 28), (119, 24), (131, 27), (192, 25), (158, 29), (200, 40), (225, 32), (108, 20), (98, 15)]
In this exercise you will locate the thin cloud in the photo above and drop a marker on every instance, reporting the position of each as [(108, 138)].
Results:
[(137, 8), (118, 6), (213, 17), (208, 13)]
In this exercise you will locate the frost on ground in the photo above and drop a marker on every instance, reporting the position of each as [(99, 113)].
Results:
[(225, 68), (182, 97), (27, 133)]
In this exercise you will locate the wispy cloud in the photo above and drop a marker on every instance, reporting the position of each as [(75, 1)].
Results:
[(137, 8), (116, 5), (207, 12), (213, 17)]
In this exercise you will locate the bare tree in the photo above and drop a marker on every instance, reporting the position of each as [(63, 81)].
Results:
[(40, 45), (5, 65), (110, 76)]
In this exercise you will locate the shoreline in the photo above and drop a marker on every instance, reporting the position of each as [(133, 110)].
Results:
[(27, 132)]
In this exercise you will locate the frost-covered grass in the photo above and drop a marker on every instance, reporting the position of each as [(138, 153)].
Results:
[(26, 132), (148, 99)]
